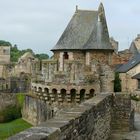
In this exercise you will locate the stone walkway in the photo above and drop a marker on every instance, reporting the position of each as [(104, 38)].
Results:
[(134, 135)]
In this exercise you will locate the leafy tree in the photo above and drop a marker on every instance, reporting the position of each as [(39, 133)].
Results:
[(42, 56), (26, 50), (117, 83), (5, 43), (16, 53)]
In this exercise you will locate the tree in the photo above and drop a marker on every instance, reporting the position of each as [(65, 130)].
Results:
[(42, 56), (117, 83), (5, 43), (16, 53)]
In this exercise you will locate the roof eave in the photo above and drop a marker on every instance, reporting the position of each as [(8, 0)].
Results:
[(82, 50)]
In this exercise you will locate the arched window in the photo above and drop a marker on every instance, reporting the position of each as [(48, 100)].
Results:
[(91, 93), (82, 95), (63, 94), (65, 55), (46, 90), (7, 86), (73, 95), (39, 89), (54, 92)]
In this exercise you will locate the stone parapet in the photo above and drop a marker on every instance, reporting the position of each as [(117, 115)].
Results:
[(89, 120)]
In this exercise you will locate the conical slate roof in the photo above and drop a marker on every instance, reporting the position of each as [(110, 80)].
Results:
[(87, 30)]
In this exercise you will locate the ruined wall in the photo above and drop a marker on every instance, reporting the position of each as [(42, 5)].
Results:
[(106, 78), (114, 44), (93, 119), (7, 99), (36, 110), (122, 57), (4, 54), (49, 67)]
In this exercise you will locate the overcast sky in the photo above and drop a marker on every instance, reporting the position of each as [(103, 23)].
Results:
[(38, 24)]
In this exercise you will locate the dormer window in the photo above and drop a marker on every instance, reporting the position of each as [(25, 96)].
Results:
[(65, 55)]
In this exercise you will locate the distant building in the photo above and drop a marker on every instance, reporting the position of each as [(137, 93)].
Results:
[(135, 45), (4, 54), (4, 62), (130, 75), (119, 57), (26, 64)]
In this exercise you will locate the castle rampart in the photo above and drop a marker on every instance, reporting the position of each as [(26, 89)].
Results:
[(96, 119)]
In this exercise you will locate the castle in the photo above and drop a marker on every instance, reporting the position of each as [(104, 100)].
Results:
[(80, 69), (81, 64)]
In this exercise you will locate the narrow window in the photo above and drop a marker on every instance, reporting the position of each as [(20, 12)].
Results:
[(66, 56)]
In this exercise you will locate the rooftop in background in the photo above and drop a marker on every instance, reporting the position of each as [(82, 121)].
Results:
[(87, 30), (131, 63)]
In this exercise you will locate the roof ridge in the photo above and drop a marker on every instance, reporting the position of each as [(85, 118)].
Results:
[(84, 10)]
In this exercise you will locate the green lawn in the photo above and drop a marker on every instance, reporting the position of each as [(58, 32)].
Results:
[(13, 127)]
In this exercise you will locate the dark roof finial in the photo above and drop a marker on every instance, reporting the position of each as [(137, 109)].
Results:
[(76, 8), (101, 6)]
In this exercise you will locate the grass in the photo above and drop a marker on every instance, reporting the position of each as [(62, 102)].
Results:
[(13, 127), (20, 98)]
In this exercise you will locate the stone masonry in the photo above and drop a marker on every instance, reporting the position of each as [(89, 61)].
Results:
[(94, 119)]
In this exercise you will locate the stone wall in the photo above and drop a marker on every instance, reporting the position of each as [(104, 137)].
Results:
[(106, 78), (103, 57), (114, 44), (121, 58), (7, 99), (122, 114), (136, 105), (4, 54), (36, 110), (92, 120)]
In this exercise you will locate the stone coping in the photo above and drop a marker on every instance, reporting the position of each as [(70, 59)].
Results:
[(54, 126)]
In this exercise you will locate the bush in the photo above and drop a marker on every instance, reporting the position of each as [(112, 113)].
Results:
[(135, 97), (10, 113), (117, 83)]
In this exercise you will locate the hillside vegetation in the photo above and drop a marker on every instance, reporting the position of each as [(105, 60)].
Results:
[(17, 53)]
